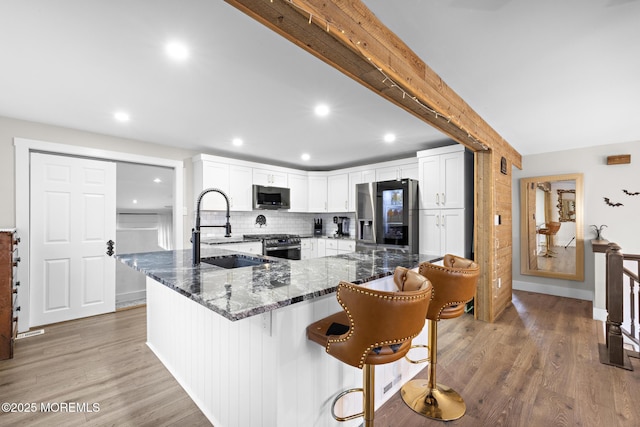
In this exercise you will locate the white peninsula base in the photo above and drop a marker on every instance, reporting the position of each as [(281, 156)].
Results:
[(261, 371)]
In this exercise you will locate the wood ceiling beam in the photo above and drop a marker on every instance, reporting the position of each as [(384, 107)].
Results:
[(350, 38)]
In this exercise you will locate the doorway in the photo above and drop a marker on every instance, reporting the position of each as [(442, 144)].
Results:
[(23, 150)]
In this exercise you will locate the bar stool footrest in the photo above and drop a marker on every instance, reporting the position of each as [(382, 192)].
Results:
[(340, 396), (415, 362)]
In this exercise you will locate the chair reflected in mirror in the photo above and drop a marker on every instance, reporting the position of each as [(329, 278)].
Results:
[(549, 231)]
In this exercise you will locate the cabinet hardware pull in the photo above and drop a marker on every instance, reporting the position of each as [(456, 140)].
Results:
[(437, 198), (444, 200)]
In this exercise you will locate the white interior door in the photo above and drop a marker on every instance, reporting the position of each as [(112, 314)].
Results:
[(73, 216)]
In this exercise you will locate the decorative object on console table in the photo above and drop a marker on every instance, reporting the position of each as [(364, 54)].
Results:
[(598, 231), (8, 293)]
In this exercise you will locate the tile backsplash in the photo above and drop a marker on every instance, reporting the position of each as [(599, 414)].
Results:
[(276, 222)]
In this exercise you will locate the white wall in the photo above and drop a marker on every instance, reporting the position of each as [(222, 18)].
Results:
[(600, 180)]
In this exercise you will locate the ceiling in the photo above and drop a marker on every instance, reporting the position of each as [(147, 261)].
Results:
[(547, 75)]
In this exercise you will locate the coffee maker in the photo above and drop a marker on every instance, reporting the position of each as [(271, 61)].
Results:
[(343, 226)]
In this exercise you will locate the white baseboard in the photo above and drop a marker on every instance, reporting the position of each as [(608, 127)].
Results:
[(131, 296), (559, 291)]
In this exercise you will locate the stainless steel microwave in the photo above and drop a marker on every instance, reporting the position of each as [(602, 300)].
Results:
[(265, 197)]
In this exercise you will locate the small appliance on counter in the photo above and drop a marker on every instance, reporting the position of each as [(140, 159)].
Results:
[(343, 226), (317, 227)]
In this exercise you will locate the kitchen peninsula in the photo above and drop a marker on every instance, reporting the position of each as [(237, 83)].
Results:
[(235, 338)]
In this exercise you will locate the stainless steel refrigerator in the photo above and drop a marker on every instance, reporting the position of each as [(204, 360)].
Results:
[(387, 215)]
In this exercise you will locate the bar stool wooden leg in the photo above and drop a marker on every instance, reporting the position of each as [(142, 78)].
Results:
[(428, 398)]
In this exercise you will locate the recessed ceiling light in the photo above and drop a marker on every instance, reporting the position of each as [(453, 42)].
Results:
[(237, 142), (157, 180), (121, 116), (389, 137), (135, 201), (305, 157), (177, 51), (322, 110)]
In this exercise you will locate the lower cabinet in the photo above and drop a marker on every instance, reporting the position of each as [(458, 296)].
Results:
[(442, 231), (330, 247), (309, 248)]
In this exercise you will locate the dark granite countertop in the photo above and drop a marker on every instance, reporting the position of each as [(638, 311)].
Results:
[(243, 292)]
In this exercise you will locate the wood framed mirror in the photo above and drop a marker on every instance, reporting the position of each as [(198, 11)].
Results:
[(551, 226)]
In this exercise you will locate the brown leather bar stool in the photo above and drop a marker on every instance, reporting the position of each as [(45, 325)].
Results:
[(376, 327), (454, 284)]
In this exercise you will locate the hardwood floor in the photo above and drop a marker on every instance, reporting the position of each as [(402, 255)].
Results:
[(536, 366), (103, 360)]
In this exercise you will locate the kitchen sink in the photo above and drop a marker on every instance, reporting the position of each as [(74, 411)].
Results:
[(235, 261)]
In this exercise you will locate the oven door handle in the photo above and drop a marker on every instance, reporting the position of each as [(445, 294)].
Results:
[(280, 248)]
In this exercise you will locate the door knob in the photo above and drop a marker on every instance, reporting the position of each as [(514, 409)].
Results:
[(110, 244)]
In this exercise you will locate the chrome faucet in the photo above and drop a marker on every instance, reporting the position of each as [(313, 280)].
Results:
[(195, 232)]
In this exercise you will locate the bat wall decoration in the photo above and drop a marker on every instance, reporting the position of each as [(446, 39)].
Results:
[(615, 205), (628, 193)]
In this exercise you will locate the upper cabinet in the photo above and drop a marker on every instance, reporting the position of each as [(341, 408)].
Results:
[(442, 177), (318, 192), (234, 180), (313, 192), (269, 177), (299, 187), (338, 193), (401, 170)]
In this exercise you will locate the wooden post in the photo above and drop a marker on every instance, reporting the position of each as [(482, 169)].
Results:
[(613, 353)]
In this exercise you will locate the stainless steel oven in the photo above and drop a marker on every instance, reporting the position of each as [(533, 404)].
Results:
[(285, 246)]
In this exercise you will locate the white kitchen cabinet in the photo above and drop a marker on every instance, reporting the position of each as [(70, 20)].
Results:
[(331, 247), (442, 178), (355, 178), (317, 193), (309, 248), (234, 180), (269, 177), (254, 248), (321, 247), (397, 172), (442, 231), (338, 193), (299, 190), (346, 246)]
